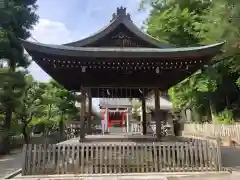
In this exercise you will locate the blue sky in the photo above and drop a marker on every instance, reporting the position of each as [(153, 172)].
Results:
[(63, 21)]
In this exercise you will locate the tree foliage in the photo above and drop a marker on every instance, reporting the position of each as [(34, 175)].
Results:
[(17, 19), (44, 105), (23, 101), (214, 88)]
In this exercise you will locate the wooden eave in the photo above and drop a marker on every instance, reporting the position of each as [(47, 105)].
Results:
[(119, 67), (120, 52)]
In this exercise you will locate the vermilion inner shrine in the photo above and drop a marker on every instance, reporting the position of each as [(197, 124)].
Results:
[(115, 113), (120, 61)]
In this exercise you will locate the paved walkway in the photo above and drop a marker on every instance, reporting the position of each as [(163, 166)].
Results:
[(10, 162), (232, 176), (231, 158)]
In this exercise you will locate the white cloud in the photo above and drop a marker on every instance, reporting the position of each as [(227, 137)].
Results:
[(49, 32)]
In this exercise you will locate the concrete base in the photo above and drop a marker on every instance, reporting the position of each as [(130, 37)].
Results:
[(120, 138), (13, 174), (142, 176)]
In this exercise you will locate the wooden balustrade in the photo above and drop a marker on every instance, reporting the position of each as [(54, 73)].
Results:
[(121, 158)]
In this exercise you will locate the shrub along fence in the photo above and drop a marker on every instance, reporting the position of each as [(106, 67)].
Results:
[(121, 158)]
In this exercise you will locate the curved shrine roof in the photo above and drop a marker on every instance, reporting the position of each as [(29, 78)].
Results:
[(122, 52), (119, 18), (120, 55)]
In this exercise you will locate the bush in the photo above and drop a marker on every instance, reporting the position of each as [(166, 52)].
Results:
[(225, 117)]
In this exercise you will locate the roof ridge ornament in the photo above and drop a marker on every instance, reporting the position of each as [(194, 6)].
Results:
[(122, 13)]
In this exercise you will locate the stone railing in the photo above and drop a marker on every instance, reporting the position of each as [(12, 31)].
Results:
[(215, 130), (73, 128), (121, 158), (135, 127)]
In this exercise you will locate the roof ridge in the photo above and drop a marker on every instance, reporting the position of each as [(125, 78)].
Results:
[(121, 17), (121, 13)]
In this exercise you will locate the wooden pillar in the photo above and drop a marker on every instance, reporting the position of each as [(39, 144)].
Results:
[(82, 115), (127, 119), (89, 119), (144, 120), (104, 121), (157, 113)]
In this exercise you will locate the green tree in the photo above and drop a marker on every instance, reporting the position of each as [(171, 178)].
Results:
[(31, 105), (65, 103), (8, 97), (193, 22), (174, 25), (174, 22), (18, 19), (221, 22)]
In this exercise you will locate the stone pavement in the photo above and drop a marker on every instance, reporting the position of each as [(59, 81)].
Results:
[(10, 162), (231, 158), (232, 176), (140, 176)]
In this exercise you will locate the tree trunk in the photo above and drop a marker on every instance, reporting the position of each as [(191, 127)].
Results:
[(7, 126), (227, 102), (8, 119), (213, 112), (61, 129), (45, 135), (208, 114), (25, 134), (195, 115)]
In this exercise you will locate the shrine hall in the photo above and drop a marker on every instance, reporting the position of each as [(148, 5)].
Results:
[(120, 61)]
